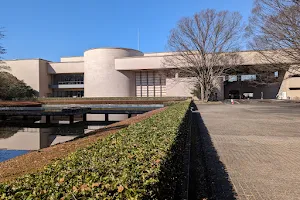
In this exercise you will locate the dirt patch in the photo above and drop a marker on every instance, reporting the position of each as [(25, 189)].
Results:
[(19, 104), (36, 160), (103, 101)]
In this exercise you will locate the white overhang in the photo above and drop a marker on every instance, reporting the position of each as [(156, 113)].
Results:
[(66, 68), (155, 61)]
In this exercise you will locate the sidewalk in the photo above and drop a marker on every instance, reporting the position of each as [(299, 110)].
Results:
[(259, 145)]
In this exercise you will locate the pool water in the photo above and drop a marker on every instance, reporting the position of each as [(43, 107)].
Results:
[(8, 154), (20, 137)]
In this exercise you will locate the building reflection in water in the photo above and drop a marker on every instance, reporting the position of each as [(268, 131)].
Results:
[(17, 136)]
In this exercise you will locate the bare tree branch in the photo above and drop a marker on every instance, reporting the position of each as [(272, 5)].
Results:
[(274, 26), (203, 47), (2, 52)]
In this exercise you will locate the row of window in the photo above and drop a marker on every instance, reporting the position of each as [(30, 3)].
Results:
[(62, 79), (247, 77), (233, 78), (67, 93), (150, 84)]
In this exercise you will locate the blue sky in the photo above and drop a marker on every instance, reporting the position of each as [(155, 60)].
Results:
[(51, 29)]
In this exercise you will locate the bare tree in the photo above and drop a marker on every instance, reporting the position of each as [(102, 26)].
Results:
[(2, 51), (274, 31), (203, 46)]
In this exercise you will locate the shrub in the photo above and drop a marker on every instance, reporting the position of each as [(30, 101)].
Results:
[(13, 88), (142, 161)]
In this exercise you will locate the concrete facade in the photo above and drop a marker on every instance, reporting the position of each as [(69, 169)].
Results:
[(101, 78), (123, 72)]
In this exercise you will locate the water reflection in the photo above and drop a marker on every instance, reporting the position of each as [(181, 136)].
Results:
[(19, 136)]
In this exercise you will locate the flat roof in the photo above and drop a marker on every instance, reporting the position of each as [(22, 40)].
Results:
[(25, 59), (114, 48)]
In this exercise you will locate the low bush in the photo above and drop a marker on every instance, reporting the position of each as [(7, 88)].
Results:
[(142, 161)]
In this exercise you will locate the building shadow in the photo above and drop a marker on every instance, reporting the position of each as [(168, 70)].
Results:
[(192, 169), (198, 183), (218, 184)]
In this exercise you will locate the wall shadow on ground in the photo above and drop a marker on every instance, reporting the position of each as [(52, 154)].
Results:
[(193, 169), (217, 179), (198, 187)]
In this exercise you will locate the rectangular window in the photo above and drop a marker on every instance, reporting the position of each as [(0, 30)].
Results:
[(248, 77), (150, 84), (232, 78), (248, 95), (68, 93), (63, 79)]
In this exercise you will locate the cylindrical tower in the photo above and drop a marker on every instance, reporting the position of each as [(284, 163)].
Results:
[(101, 79)]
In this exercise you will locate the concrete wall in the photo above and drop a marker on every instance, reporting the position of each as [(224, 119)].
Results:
[(44, 79), (219, 88), (288, 84), (139, 63), (100, 76), (154, 60), (66, 67), (72, 59), (179, 87), (183, 87), (26, 70)]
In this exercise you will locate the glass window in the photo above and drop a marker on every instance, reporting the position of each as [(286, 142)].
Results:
[(248, 77), (232, 78), (68, 79), (248, 95)]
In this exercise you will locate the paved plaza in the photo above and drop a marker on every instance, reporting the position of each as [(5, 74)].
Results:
[(259, 145)]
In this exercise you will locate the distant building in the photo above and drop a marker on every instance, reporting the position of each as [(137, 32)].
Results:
[(122, 72)]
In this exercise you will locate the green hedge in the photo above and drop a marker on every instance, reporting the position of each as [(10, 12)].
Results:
[(142, 161), (116, 98)]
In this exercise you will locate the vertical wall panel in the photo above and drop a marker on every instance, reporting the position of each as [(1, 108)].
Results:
[(150, 84), (163, 86), (138, 92)]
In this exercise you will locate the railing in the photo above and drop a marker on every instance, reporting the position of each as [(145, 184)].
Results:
[(69, 82)]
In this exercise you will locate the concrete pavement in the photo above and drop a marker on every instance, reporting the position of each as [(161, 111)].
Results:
[(258, 146)]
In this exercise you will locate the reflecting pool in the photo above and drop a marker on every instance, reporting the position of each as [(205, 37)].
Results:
[(18, 136)]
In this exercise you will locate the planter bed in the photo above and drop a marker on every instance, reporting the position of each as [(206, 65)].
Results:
[(142, 161), (111, 100), (19, 104), (81, 101)]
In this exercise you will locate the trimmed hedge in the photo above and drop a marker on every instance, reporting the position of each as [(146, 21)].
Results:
[(142, 161), (112, 100), (116, 98)]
